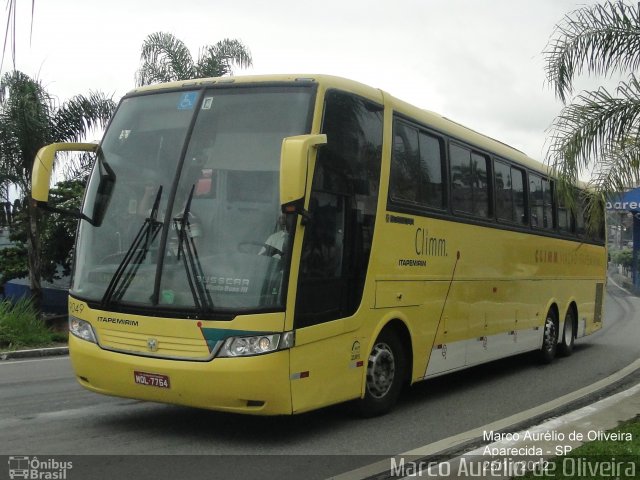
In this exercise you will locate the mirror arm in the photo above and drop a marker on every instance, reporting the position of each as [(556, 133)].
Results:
[(297, 208), (63, 211)]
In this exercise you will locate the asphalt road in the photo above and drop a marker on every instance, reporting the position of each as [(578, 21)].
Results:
[(44, 412)]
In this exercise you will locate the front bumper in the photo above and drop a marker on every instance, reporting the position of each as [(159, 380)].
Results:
[(257, 385)]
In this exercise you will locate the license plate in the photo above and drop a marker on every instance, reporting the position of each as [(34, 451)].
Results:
[(151, 379)]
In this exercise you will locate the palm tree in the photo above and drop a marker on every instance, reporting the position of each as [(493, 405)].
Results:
[(10, 30), (165, 58), (599, 132), (29, 119)]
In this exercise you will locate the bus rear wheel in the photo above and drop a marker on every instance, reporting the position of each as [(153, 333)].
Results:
[(568, 335), (549, 339), (386, 367)]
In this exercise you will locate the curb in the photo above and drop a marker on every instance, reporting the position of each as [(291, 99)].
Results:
[(457, 446), (34, 353)]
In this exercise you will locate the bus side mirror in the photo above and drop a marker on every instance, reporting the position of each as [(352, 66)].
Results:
[(41, 177), (294, 165)]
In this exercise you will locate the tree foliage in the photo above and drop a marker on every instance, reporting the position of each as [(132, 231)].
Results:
[(597, 40), (31, 118), (13, 263), (165, 58), (598, 132), (57, 233), (622, 257)]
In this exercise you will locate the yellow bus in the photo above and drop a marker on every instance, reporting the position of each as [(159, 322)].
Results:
[(276, 244)]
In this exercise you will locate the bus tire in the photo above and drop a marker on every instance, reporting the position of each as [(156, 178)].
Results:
[(568, 335), (386, 367), (549, 339)]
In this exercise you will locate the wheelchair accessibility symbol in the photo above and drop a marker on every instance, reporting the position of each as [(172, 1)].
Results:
[(188, 101)]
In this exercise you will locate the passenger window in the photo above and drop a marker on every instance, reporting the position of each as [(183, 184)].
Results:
[(541, 199), (431, 164), (504, 191), (480, 185), (416, 167), (469, 181), (509, 187), (547, 204), (517, 181), (585, 209), (461, 182), (564, 216), (405, 165), (535, 200), (581, 227)]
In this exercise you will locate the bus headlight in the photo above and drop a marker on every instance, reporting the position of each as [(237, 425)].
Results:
[(256, 345), (81, 329)]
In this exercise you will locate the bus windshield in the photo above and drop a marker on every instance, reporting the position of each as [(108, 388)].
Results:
[(193, 220)]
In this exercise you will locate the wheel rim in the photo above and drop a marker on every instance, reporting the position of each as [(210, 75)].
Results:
[(380, 370), (550, 335)]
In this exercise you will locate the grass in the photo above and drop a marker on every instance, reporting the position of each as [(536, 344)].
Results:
[(600, 459), (21, 327)]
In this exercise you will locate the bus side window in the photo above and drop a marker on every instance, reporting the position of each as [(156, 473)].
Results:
[(547, 204), (504, 191), (469, 181), (564, 216), (322, 253), (479, 171), (431, 167), (509, 188), (535, 200), (461, 184), (416, 167), (517, 182), (337, 240), (405, 165), (586, 227)]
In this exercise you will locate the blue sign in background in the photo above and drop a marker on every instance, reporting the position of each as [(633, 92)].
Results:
[(630, 202)]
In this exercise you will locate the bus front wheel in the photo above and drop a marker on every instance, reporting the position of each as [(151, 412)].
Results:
[(386, 367)]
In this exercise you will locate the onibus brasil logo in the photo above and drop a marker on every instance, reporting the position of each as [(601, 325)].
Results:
[(36, 469)]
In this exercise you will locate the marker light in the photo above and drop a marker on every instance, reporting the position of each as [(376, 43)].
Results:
[(81, 329), (256, 345)]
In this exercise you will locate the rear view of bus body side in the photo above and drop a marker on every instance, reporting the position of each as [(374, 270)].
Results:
[(272, 245)]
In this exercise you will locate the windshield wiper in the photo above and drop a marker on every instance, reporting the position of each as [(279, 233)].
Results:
[(134, 256), (187, 249)]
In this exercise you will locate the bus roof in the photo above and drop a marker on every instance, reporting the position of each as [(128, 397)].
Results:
[(425, 117)]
